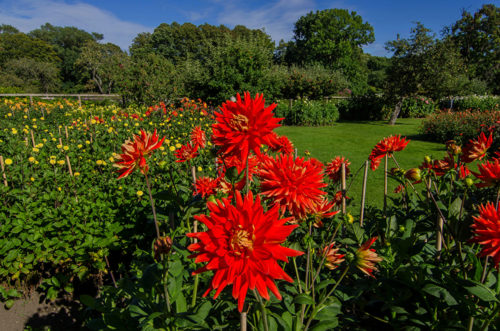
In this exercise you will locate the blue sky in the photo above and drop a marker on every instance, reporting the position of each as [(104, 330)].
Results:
[(121, 20)]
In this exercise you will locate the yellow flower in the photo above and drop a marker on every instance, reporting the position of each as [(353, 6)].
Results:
[(8, 161), (178, 145), (52, 161), (87, 142), (14, 131), (111, 159), (200, 169), (79, 146), (31, 159), (119, 187), (59, 146), (350, 219), (59, 189), (93, 121), (36, 150), (65, 148), (60, 162), (32, 179), (34, 126), (140, 193), (76, 174), (99, 162), (40, 145), (172, 148)]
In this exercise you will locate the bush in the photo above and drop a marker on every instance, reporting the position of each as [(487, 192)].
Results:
[(363, 107), (416, 107), (308, 112), (472, 102), (462, 126)]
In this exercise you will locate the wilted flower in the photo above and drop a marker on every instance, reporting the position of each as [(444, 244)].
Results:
[(333, 259), (162, 246)]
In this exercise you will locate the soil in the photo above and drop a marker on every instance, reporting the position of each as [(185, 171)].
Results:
[(34, 313)]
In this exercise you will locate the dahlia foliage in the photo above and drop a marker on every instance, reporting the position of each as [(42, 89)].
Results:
[(242, 245)]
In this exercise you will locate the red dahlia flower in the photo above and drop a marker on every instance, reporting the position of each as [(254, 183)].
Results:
[(486, 229), (322, 210), (386, 146), (206, 186), (135, 152), (366, 258), (244, 125), (198, 137), (186, 153), (334, 168), (242, 245), (476, 149), (489, 173), (295, 185), (281, 144)]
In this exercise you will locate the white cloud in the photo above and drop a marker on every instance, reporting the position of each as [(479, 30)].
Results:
[(27, 15), (276, 18)]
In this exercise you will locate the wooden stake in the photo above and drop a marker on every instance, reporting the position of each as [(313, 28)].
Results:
[(386, 161), (66, 131), (3, 171), (439, 233), (69, 166), (296, 153), (243, 321), (343, 183), (363, 194), (26, 141), (32, 139), (60, 141)]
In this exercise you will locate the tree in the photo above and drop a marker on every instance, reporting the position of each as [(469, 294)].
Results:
[(19, 45), (332, 37), (30, 75), (102, 64), (422, 65), (478, 37), (67, 42), (5, 28)]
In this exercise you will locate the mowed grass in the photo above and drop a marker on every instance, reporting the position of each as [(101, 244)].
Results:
[(355, 140)]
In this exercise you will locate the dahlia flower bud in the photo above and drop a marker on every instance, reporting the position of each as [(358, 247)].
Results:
[(414, 174), (162, 246)]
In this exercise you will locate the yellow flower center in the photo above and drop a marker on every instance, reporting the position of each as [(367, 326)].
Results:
[(241, 241), (239, 122)]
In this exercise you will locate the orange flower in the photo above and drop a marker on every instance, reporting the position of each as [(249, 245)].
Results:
[(242, 245), (135, 152), (440, 167), (333, 259), (198, 137), (281, 144), (489, 173), (366, 258), (294, 185), (244, 125), (334, 168), (476, 149), (386, 146), (486, 229), (321, 210), (186, 153)]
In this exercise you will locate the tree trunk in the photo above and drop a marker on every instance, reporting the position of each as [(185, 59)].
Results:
[(395, 113)]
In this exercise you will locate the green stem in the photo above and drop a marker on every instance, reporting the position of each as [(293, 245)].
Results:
[(195, 290), (314, 312), (153, 207), (263, 310), (297, 273)]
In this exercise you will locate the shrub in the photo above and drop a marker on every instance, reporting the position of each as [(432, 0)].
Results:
[(472, 102), (418, 106), (363, 107), (462, 126), (308, 112)]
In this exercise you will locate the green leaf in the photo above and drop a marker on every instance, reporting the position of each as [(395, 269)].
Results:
[(329, 312), (482, 292), (9, 304), (180, 303), (326, 325), (303, 299), (136, 312), (87, 300)]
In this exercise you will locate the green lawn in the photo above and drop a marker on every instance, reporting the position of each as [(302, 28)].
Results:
[(355, 141)]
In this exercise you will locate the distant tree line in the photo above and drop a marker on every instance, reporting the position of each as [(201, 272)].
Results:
[(324, 58)]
